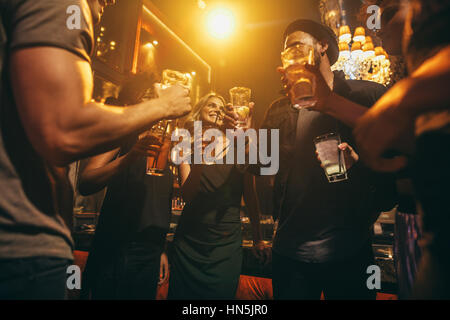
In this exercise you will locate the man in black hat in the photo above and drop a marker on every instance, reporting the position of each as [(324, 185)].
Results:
[(322, 243)]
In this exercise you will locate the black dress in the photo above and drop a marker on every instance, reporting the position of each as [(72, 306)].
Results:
[(206, 255)]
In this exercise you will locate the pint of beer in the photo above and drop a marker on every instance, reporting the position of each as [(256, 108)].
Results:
[(301, 81), (159, 143)]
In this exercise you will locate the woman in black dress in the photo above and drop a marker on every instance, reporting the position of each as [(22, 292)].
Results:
[(206, 255)]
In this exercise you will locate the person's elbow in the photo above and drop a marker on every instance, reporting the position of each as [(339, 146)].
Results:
[(57, 147)]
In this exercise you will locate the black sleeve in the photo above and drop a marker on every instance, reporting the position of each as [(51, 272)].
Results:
[(383, 184), (33, 23), (273, 119), (366, 93), (275, 115)]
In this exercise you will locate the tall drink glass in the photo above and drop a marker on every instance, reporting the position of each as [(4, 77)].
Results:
[(302, 82), (331, 156), (159, 142), (171, 77), (159, 136), (240, 100)]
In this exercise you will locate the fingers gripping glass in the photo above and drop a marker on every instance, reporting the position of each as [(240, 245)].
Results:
[(158, 143), (331, 157), (158, 138), (240, 100)]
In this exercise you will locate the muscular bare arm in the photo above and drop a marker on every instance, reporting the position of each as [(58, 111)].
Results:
[(53, 89), (425, 90), (389, 124)]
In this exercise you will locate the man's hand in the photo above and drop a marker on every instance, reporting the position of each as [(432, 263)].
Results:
[(177, 100), (163, 269), (386, 129), (142, 148), (350, 156), (321, 89), (262, 252)]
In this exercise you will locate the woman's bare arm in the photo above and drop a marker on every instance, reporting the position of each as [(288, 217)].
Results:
[(100, 170), (190, 180)]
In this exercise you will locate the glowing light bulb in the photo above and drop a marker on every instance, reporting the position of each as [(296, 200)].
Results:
[(220, 23)]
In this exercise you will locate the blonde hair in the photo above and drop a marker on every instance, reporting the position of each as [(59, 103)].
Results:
[(196, 112)]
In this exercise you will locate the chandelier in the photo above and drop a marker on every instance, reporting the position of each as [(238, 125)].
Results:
[(359, 59)]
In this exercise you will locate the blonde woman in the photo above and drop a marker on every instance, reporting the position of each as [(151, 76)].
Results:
[(206, 255)]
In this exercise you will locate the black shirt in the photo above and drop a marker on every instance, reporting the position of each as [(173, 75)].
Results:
[(321, 221), (135, 202)]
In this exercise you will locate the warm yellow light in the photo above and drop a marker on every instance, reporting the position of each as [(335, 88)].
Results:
[(220, 23), (155, 43), (360, 35), (201, 4), (344, 34)]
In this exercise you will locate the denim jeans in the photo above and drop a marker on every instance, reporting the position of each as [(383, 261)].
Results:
[(344, 279), (37, 278), (131, 274)]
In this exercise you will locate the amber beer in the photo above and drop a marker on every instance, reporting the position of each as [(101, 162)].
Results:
[(156, 164), (302, 82), (159, 136), (158, 145)]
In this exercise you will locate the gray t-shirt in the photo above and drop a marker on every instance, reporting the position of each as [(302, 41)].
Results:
[(36, 199)]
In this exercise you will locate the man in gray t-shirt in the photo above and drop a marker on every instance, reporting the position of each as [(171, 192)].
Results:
[(47, 121)]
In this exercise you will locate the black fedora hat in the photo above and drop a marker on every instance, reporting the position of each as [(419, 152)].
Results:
[(320, 32)]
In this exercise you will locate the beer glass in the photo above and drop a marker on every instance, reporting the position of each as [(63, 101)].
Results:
[(240, 100), (171, 77), (302, 82), (159, 143), (159, 136), (331, 157)]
